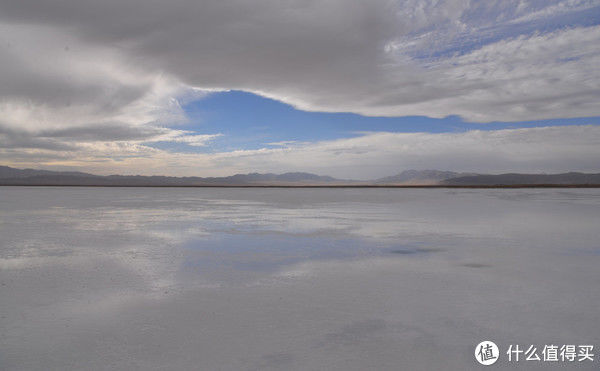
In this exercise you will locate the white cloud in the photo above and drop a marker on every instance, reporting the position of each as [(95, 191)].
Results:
[(193, 140), (76, 73), (370, 155)]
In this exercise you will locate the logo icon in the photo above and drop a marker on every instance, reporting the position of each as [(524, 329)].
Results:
[(487, 353)]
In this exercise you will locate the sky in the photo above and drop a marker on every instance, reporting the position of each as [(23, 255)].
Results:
[(351, 89)]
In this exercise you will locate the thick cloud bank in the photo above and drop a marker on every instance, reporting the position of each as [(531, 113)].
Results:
[(116, 72)]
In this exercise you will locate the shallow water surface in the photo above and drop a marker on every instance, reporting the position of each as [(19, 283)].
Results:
[(293, 279)]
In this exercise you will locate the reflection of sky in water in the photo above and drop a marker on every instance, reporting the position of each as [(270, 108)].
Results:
[(172, 278), (164, 235), (264, 252), (269, 252)]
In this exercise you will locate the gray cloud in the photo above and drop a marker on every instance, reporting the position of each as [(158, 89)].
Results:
[(105, 132), (78, 72), (10, 138), (333, 55)]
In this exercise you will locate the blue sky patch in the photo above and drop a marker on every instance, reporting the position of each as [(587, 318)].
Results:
[(250, 121)]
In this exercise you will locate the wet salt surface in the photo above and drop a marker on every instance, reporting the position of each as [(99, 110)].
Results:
[(293, 279)]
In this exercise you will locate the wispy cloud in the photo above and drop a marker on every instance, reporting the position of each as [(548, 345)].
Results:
[(192, 140), (371, 155)]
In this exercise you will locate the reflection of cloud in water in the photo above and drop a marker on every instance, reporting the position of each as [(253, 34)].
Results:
[(290, 279)]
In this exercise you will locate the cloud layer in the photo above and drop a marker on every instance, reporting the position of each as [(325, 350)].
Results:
[(369, 155), (103, 74)]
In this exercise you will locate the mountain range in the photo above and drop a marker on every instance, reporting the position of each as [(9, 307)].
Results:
[(32, 177), (420, 177)]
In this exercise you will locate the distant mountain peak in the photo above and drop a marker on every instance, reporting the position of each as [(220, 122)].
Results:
[(12, 176), (425, 177)]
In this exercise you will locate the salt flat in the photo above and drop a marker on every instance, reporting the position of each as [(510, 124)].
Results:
[(293, 279)]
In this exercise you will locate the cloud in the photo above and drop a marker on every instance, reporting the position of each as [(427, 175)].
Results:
[(78, 74), (195, 140), (122, 57), (550, 149), (106, 132), (369, 155)]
